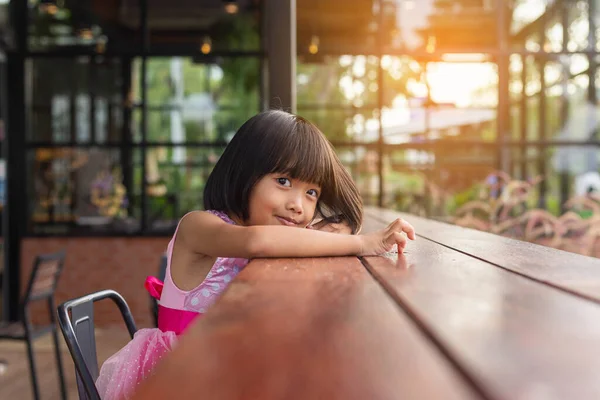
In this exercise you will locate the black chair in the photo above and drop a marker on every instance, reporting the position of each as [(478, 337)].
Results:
[(162, 272), (78, 331), (42, 285)]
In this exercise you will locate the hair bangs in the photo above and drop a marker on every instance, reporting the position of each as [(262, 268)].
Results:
[(305, 156), (279, 142)]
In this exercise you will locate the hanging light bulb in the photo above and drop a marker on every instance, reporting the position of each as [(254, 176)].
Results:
[(231, 7), (313, 47), (85, 34), (101, 44), (430, 47), (206, 45), (48, 7)]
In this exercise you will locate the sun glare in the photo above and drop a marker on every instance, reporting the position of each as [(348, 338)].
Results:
[(459, 83)]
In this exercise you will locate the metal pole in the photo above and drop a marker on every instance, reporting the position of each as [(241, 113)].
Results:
[(592, 97), (592, 157), (503, 86), (14, 218), (282, 53), (541, 156), (564, 112), (523, 133), (263, 103), (126, 136), (144, 97), (380, 100)]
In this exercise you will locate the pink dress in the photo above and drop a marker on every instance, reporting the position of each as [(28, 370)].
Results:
[(121, 373)]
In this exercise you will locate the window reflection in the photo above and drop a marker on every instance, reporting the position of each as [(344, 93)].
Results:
[(411, 96), (75, 189)]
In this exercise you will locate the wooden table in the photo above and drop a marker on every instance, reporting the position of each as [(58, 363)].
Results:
[(462, 315)]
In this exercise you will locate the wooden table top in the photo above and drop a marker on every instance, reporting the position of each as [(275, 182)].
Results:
[(461, 315)]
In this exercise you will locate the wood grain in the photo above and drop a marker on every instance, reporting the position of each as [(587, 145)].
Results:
[(516, 338), (317, 328), (571, 272)]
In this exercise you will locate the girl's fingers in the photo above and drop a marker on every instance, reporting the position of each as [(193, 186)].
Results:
[(395, 225), (399, 239), (409, 230), (400, 225)]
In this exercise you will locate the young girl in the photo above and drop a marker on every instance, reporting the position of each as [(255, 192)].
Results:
[(278, 172)]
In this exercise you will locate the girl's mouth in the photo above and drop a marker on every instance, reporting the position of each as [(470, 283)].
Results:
[(286, 221)]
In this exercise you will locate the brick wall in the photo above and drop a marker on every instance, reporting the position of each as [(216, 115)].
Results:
[(94, 264)]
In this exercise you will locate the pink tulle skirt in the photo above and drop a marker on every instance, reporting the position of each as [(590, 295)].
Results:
[(123, 371)]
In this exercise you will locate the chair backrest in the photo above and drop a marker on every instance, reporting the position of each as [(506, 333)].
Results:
[(78, 331), (162, 272), (162, 268), (44, 276)]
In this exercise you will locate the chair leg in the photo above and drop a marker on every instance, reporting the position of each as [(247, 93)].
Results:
[(59, 365), (34, 385)]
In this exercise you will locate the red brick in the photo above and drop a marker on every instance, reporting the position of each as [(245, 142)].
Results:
[(93, 264)]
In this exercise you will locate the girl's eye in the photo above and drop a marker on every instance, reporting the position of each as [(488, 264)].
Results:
[(284, 182), (313, 192)]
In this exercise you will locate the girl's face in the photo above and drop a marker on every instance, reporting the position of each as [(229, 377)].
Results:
[(277, 199)]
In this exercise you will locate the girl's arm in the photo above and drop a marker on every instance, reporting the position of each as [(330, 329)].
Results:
[(207, 234)]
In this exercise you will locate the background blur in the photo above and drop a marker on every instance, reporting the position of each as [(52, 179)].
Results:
[(482, 113)]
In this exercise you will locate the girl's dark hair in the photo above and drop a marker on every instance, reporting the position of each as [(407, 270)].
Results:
[(276, 141)]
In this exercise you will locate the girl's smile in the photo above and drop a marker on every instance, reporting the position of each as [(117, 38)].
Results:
[(287, 221), (279, 200)]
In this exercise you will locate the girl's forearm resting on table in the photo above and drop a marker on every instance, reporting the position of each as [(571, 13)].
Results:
[(206, 234), (281, 241)]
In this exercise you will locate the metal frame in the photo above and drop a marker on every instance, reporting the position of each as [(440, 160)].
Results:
[(126, 144), (14, 214), (162, 271), (15, 217), (83, 346), (144, 98), (31, 332)]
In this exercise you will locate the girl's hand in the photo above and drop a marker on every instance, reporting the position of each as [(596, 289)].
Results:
[(333, 227), (384, 240)]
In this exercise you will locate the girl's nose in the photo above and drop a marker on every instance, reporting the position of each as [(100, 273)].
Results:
[(295, 204)]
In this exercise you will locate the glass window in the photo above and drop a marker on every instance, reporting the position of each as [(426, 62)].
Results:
[(89, 107), (74, 100), (77, 190), (362, 163), (425, 74), (75, 24), (344, 125), (175, 183), (338, 81), (192, 102)]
